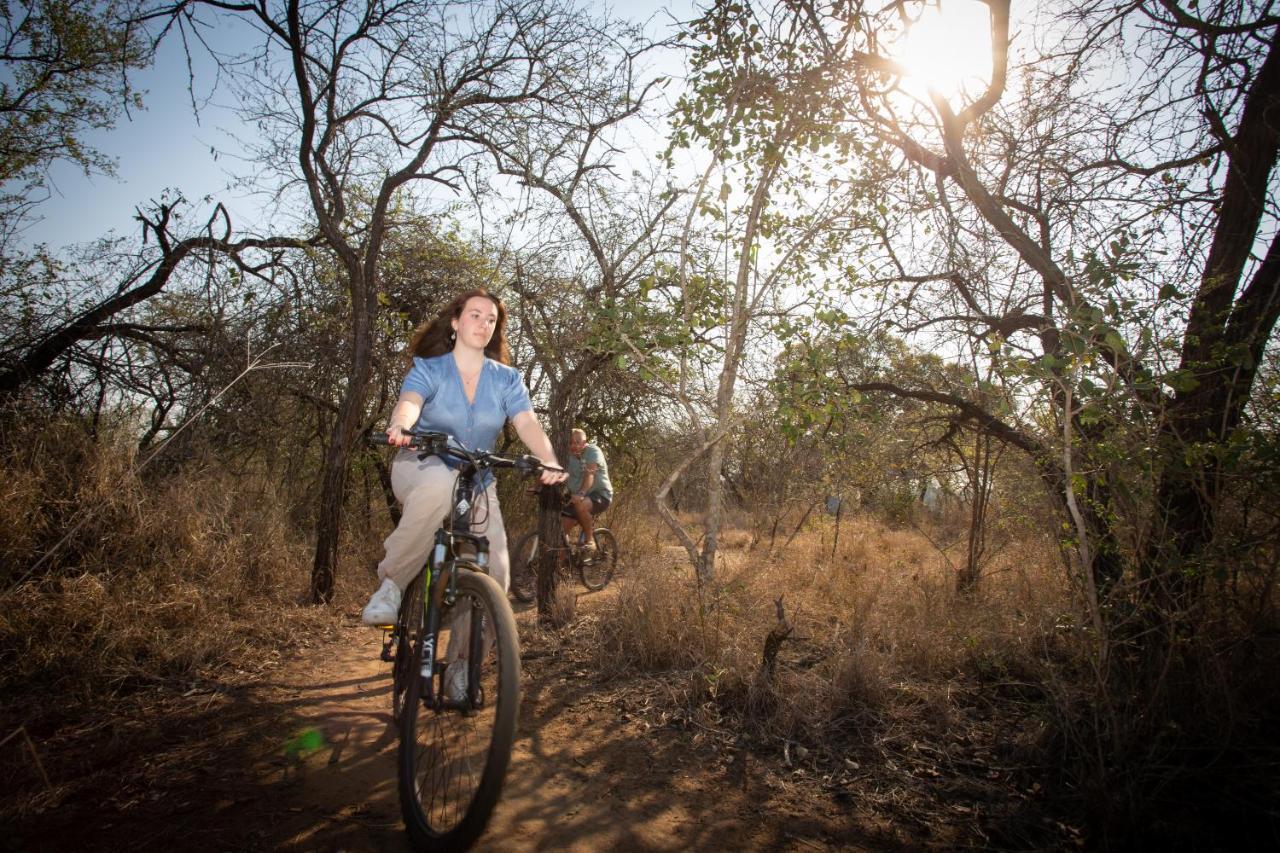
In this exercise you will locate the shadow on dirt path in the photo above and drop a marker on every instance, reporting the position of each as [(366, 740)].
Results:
[(304, 759)]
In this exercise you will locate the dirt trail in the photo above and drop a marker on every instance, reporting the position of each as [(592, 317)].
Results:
[(305, 760), (586, 774)]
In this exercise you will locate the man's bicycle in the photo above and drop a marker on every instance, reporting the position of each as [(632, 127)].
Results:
[(455, 745), (594, 567)]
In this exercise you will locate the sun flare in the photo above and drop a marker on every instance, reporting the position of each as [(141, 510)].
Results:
[(949, 47)]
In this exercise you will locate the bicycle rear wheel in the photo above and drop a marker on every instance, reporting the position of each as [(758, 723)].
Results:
[(524, 580), (454, 755), (408, 629)]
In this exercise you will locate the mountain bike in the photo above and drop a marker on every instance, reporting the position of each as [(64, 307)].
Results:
[(454, 749), (594, 568)]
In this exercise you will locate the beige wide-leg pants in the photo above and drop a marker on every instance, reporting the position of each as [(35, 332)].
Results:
[(425, 490)]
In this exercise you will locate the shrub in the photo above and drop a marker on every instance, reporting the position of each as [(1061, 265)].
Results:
[(115, 579)]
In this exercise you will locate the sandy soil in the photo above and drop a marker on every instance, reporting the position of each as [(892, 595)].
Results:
[(303, 759)]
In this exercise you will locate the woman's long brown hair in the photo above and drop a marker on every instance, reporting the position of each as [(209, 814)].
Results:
[(436, 337)]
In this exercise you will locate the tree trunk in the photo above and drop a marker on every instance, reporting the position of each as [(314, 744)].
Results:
[(345, 430), (388, 495), (562, 410), (706, 567), (1223, 344), (550, 555), (735, 341), (979, 473)]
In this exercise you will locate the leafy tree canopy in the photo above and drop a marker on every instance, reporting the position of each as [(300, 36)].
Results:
[(65, 73)]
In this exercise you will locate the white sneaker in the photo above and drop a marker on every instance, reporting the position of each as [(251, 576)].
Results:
[(455, 681), (384, 606)]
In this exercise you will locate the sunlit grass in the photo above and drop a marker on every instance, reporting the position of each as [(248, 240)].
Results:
[(877, 627)]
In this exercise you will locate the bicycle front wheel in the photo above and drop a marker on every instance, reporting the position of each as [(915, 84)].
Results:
[(454, 751), (596, 569), (524, 580), (408, 629)]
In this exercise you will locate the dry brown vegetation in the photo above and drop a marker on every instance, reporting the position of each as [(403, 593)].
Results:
[(877, 626), (880, 677), (116, 579), (885, 665)]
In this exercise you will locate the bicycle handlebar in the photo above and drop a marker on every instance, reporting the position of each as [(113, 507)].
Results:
[(437, 443), (429, 441)]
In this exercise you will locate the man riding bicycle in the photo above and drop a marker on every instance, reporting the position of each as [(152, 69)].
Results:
[(589, 487)]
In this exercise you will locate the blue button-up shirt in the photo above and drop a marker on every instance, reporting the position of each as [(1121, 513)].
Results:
[(500, 396)]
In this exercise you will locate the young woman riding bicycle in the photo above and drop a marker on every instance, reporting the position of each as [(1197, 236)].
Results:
[(460, 382)]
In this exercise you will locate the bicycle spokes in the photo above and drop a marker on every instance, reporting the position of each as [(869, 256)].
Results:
[(454, 753)]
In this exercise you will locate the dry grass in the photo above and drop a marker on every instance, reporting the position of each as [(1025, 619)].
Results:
[(880, 638), (149, 580), (888, 667), (563, 608)]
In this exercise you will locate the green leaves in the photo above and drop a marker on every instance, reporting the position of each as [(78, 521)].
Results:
[(1183, 381), (67, 73)]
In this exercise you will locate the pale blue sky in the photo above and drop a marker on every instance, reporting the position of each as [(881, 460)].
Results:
[(163, 147), (159, 147)]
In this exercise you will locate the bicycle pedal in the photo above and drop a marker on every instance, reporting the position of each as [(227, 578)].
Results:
[(388, 642)]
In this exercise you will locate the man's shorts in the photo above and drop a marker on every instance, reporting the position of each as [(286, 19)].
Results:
[(599, 503)]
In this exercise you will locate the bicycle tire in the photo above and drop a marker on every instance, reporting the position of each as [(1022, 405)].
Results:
[(524, 580), (452, 763), (597, 569), (408, 628)]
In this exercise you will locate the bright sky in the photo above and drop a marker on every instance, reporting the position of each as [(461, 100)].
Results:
[(157, 148), (949, 47), (163, 147)]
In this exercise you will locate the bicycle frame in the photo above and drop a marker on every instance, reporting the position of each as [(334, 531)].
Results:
[(440, 573), (439, 589)]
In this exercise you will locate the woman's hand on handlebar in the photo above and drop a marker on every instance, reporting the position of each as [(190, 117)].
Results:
[(553, 474), (398, 437)]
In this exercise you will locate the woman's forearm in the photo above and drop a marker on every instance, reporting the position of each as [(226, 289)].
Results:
[(534, 438), (406, 412)]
